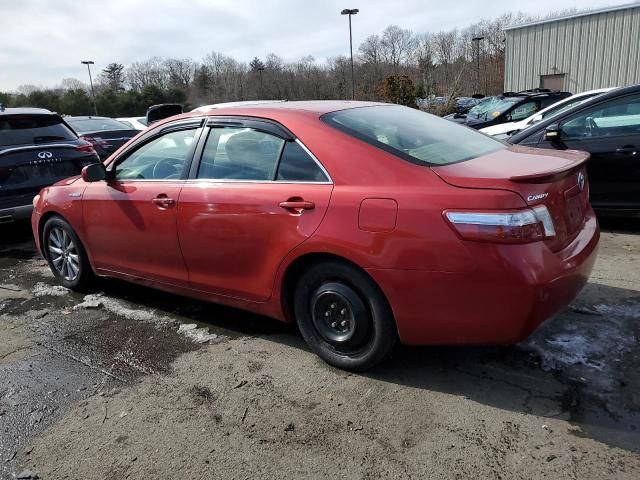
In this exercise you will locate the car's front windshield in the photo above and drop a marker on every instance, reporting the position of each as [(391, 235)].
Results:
[(416, 136), (492, 107)]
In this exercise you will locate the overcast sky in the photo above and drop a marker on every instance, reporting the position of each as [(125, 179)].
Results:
[(43, 41)]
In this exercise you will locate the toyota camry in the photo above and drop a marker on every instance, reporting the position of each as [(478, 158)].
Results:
[(363, 223)]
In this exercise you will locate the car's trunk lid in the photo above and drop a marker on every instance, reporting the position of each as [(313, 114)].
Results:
[(24, 170), (556, 179)]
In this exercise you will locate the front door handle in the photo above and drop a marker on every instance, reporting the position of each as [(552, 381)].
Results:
[(163, 201), (297, 205), (630, 149)]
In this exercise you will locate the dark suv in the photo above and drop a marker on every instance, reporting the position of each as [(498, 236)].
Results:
[(37, 148), (508, 107)]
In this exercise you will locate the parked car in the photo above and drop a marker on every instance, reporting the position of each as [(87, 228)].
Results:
[(104, 133), (505, 130), (464, 104), (258, 208), (137, 123), (37, 149), (508, 107), (608, 127)]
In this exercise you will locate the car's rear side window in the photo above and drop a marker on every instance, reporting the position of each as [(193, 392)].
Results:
[(29, 129), (414, 135), (296, 165)]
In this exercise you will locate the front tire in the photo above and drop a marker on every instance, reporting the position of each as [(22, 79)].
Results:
[(343, 316), (66, 255)]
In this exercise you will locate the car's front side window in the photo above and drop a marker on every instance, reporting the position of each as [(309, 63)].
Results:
[(237, 153), (616, 117), (163, 158)]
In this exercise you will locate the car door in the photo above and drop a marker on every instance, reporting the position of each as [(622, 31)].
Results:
[(610, 132), (130, 219), (255, 195)]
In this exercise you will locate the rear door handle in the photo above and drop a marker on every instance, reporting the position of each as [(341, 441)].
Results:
[(627, 149), (163, 201), (297, 205)]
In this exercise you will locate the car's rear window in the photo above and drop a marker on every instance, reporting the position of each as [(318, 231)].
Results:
[(96, 125), (29, 129), (414, 135)]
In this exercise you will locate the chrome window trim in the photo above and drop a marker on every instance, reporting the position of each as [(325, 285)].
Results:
[(324, 170), (195, 181)]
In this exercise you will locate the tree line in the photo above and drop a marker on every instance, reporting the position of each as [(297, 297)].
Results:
[(396, 65)]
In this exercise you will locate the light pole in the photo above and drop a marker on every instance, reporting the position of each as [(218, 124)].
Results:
[(477, 40), (93, 95), (261, 69), (351, 11)]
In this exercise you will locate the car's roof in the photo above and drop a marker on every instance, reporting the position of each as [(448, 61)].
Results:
[(242, 103), (25, 111), (319, 107)]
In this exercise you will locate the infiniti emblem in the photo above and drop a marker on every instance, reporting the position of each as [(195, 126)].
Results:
[(44, 155), (580, 181)]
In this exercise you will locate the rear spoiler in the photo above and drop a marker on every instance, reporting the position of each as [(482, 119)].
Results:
[(578, 159), (162, 111)]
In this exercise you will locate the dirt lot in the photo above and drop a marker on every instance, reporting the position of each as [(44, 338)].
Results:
[(115, 385)]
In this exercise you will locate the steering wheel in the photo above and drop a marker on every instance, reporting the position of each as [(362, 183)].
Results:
[(592, 127), (167, 168)]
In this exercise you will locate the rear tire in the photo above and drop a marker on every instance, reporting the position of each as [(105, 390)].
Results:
[(66, 255), (343, 316)]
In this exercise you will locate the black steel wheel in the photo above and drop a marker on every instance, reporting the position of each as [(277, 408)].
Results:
[(344, 316)]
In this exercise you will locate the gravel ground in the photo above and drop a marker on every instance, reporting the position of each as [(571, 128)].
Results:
[(131, 383)]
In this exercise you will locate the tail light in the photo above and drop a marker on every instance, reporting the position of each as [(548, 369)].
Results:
[(97, 141), (519, 226), (85, 146)]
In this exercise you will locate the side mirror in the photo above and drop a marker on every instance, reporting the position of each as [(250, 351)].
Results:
[(552, 132), (536, 119), (94, 172)]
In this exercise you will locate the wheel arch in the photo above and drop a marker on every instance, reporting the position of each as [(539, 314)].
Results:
[(300, 264)]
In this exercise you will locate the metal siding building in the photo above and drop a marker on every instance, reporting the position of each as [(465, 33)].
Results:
[(585, 51)]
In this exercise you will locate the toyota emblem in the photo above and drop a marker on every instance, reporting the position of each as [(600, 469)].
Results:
[(580, 181), (44, 155)]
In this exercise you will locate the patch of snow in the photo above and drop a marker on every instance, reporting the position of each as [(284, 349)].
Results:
[(585, 346), (42, 289), (631, 310), (123, 308), (198, 335), (128, 310)]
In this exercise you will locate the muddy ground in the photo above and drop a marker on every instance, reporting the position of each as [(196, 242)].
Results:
[(116, 385)]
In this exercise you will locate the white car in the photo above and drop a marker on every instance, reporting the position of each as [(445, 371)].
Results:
[(505, 130), (137, 123)]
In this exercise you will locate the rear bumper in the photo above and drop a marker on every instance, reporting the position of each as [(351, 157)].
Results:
[(12, 214), (510, 291)]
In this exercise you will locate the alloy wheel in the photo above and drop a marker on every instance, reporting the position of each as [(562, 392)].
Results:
[(64, 254)]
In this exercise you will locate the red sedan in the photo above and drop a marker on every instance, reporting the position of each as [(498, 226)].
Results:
[(363, 223)]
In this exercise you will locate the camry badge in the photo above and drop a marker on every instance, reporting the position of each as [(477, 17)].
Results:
[(537, 196), (580, 181), (44, 155)]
